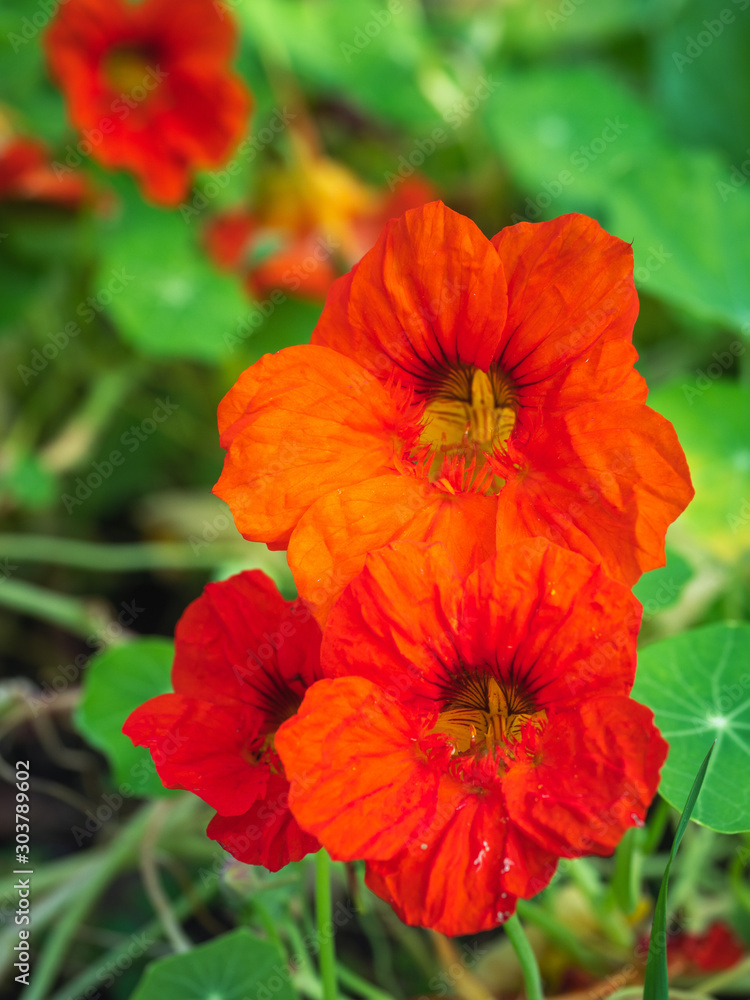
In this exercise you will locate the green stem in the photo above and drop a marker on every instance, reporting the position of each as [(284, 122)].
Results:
[(526, 957), (324, 915), (58, 609), (57, 945), (560, 935), (358, 985), (113, 558)]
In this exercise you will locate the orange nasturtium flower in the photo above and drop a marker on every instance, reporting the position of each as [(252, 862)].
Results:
[(311, 223), (149, 86), (459, 390), (471, 732), (243, 659)]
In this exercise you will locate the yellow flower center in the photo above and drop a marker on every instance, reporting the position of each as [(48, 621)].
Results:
[(126, 68), (470, 407), (486, 713)]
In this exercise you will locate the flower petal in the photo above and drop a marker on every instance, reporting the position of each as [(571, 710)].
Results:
[(267, 834), (239, 637), (298, 425), (565, 626), (395, 619), (198, 746), (593, 777), (570, 285), (358, 780), (431, 292), (329, 546), (605, 480)]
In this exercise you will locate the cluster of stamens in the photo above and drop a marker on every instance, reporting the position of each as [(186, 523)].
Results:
[(485, 713), (467, 415)]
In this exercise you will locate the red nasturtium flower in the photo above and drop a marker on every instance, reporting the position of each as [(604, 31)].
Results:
[(470, 733), (149, 86), (459, 390), (26, 174), (243, 659)]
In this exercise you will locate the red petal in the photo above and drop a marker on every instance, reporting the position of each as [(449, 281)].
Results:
[(593, 777), (329, 546), (358, 779), (553, 618), (240, 639), (605, 480), (267, 834), (198, 746)]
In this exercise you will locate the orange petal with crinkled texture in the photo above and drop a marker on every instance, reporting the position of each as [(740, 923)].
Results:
[(562, 616), (572, 305), (329, 546), (431, 292), (401, 611), (298, 425), (605, 480), (358, 780)]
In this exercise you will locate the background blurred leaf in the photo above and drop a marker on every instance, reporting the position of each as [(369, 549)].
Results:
[(231, 967), (579, 140), (116, 682), (703, 90), (660, 588), (172, 302), (711, 420), (698, 686)]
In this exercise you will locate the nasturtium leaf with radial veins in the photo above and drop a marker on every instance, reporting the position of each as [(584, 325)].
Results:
[(698, 686), (231, 967)]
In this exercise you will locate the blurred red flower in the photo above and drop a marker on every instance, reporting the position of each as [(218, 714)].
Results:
[(485, 732), (243, 659), (460, 390), (311, 223), (149, 86), (27, 175)]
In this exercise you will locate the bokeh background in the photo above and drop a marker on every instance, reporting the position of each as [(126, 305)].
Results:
[(122, 325)]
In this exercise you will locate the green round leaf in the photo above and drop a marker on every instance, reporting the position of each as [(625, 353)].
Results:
[(232, 967), (116, 682), (159, 288), (698, 687)]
